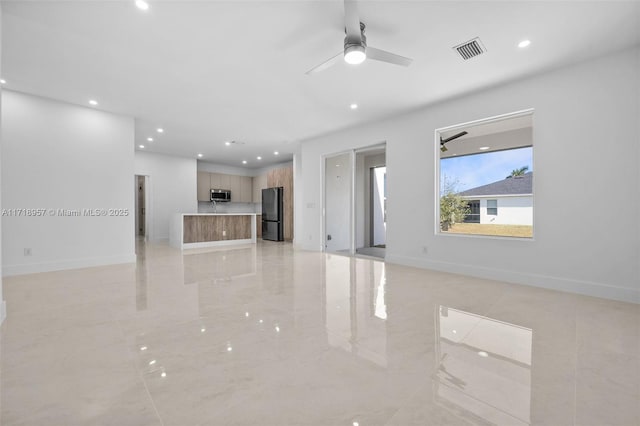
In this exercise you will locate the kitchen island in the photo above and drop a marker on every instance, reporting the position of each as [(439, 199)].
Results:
[(199, 230)]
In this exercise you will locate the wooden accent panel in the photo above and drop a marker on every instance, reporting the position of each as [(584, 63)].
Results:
[(284, 177), (198, 229), (258, 225)]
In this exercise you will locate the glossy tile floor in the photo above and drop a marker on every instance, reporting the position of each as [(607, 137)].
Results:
[(271, 336)]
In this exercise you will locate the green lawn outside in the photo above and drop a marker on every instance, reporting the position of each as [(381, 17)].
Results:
[(522, 231)]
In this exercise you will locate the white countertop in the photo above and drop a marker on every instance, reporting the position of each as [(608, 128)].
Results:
[(218, 214)]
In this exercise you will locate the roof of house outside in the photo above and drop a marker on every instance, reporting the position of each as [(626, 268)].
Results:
[(508, 186)]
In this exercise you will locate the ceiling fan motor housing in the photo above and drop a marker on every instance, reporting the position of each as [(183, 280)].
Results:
[(351, 43)]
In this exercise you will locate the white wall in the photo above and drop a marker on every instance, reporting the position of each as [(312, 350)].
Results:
[(511, 211), (204, 166), (62, 156), (3, 306), (585, 148), (172, 188)]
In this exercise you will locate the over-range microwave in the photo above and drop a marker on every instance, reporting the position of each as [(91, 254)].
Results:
[(223, 195)]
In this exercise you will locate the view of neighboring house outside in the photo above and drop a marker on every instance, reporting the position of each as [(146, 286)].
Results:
[(505, 202)]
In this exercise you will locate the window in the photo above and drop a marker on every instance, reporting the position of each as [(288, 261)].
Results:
[(483, 164), (492, 207)]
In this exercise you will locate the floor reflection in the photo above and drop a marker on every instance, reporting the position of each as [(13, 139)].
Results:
[(483, 368), (355, 307)]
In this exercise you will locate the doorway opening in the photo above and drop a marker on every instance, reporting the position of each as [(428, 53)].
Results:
[(371, 201), (355, 202)]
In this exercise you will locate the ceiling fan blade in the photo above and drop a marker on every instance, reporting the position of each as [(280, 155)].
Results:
[(456, 136), (326, 64), (384, 56), (352, 22)]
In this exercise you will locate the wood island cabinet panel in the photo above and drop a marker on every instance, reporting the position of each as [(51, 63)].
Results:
[(198, 229), (258, 225), (238, 227), (203, 186)]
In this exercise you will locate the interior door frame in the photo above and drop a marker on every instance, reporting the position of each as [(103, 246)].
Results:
[(352, 199), (323, 222), (372, 229)]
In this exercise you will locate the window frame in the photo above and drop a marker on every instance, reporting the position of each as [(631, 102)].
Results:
[(493, 208), (436, 150)]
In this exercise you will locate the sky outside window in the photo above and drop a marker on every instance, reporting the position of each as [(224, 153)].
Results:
[(471, 171)]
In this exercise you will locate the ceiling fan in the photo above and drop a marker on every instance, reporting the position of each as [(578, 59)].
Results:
[(449, 139), (355, 44)]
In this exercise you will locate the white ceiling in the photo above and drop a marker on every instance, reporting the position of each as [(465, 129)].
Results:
[(211, 71)]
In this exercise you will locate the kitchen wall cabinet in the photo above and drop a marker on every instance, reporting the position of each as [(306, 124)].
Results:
[(246, 190), (203, 186), (215, 180), (234, 187), (225, 181), (259, 183), (241, 187)]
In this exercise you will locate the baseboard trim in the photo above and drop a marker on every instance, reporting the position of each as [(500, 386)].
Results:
[(535, 280), (34, 268), (3, 311)]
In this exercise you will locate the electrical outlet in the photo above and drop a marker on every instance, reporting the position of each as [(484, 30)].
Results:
[(27, 251), (224, 233)]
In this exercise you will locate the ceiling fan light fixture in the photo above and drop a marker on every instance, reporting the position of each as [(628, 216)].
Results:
[(354, 54)]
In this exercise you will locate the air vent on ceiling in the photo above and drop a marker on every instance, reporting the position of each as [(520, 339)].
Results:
[(470, 48)]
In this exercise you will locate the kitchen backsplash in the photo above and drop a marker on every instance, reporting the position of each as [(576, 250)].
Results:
[(208, 207)]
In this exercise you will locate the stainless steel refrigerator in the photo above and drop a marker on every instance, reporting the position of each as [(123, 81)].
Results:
[(272, 212)]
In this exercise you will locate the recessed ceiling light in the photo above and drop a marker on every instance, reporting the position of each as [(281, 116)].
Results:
[(163, 374), (483, 148), (3, 81), (160, 130), (276, 153), (141, 146), (524, 43), (150, 139), (483, 354), (244, 161), (227, 143), (200, 155), (353, 106), (93, 102), (258, 158), (142, 5)]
